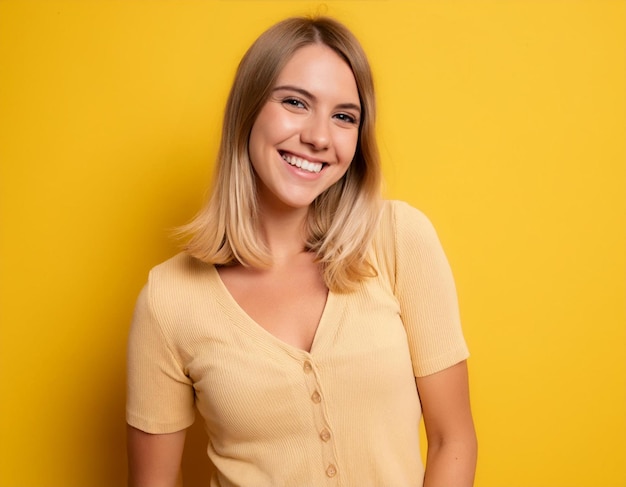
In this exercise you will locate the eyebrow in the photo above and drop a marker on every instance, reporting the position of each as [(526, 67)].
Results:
[(308, 94)]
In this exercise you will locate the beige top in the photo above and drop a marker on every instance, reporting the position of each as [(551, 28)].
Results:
[(345, 413)]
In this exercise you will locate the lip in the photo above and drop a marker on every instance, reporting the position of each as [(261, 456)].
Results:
[(301, 174), (303, 156)]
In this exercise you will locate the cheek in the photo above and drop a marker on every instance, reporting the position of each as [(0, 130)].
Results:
[(261, 137), (260, 133), (272, 124), (346, 146), (254, 145)]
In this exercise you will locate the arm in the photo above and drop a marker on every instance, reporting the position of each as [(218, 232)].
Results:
[(154, 460), (160, 396), (452, 447)]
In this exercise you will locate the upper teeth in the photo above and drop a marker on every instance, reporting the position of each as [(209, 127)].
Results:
[(303, 163)]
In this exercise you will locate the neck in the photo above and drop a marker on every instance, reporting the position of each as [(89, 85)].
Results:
[(284, 232)]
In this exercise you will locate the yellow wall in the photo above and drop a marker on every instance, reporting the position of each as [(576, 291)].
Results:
[(503, 120)]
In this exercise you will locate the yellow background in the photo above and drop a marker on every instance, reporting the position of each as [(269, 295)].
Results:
[(503, 120)]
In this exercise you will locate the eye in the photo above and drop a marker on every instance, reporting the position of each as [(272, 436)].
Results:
[(293, 103), (346, 118)]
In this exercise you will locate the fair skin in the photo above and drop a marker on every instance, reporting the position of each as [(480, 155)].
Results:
[(310, 120), (312, 115)]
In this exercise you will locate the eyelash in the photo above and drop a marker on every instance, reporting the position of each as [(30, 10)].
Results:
[(294, 102), (342, 117)]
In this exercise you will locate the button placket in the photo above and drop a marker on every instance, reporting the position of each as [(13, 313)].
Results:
[(325, 435), (316, 398), (307, 367), (322, 425)]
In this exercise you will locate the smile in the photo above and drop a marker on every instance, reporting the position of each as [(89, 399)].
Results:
[(303, 164)]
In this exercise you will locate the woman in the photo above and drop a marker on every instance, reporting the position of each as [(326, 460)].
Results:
[(309, 322)]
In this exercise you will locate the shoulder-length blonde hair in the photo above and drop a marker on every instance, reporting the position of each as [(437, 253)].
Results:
[(342, 220)]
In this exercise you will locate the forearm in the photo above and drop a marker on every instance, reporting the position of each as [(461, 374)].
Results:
[(154, 459), (451, 463)]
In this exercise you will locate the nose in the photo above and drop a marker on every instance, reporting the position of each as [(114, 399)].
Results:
[(316, 132)]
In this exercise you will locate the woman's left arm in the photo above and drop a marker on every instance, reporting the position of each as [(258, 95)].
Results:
[(452, 446)]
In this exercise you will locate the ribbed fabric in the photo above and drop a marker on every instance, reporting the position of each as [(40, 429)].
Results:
[(345, 413)]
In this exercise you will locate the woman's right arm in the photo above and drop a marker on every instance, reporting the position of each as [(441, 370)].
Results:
[(154, 460)]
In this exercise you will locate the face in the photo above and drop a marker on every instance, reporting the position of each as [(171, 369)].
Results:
[(306, 134)]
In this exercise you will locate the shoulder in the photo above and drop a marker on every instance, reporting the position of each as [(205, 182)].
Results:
[(401, 221), (178, 269), (403, 231), (179, 279)]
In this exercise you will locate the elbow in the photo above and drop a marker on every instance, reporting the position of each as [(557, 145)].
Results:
[(462, 446)]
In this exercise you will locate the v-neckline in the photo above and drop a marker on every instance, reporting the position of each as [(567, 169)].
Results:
[(332, 311)]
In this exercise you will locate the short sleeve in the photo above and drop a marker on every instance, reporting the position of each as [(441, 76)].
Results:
[(426, 292), (160, 397)]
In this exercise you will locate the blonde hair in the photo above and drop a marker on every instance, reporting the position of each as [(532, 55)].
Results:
[(342, 220)]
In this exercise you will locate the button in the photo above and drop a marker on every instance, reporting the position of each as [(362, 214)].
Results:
[(331, 471), (308, 368), (325, 435), (316, 398)]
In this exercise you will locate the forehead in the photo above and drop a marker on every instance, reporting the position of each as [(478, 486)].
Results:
[(320, 70)]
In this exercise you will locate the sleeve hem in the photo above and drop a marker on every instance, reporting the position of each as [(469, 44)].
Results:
[(152, 427), (442, 362)]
